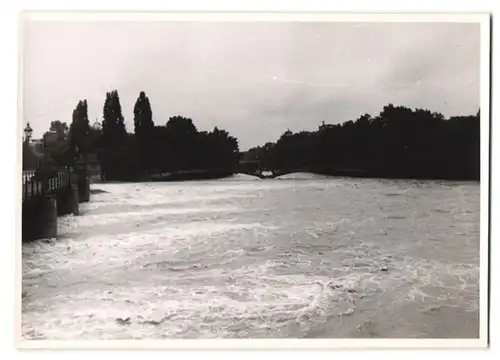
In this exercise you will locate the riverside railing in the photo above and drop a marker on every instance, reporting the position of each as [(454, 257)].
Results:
[(37, 184)]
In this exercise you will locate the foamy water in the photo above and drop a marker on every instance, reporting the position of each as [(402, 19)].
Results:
[(303, 256)]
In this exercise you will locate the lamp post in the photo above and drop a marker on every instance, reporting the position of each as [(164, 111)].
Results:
[(28, 131)]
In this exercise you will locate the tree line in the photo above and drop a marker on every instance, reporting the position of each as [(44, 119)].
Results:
[(151, 149), (398, 143)]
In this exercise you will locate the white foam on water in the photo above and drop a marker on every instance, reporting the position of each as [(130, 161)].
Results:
[(215, 273), (249, 299), (137, 217), (171, 197)]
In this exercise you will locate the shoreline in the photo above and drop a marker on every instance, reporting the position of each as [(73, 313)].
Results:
[(208, 175)]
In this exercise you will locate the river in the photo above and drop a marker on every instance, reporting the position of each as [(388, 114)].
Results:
[(301, 256)]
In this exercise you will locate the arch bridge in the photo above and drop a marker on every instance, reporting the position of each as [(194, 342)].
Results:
[(255, 168)]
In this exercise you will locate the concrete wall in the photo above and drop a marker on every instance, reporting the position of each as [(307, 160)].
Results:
[(39, 218), (39, 213)]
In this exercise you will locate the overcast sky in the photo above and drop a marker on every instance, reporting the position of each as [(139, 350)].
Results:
[(255, 80)]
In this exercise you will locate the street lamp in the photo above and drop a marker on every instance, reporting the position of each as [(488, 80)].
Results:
[(28, 131)]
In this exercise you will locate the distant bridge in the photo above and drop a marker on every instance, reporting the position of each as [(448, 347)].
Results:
[(254, 168)]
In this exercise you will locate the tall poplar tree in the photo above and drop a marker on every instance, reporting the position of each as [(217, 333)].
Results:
[(113, 124), (114, 137), (79, 130), (144, 128)]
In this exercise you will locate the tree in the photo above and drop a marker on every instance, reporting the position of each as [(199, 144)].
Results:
[(56, 146), (144, 127), (181, 125), (60, 128), (79, 130), (180, 137), (143, 116), (399, 142), (178, 146), (117, 161), (113, 125), (224, 149)]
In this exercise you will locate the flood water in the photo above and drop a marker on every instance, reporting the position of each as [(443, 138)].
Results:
[(303, 256)]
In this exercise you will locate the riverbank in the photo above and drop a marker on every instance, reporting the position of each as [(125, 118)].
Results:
[(190, 175), (185, 175), (193, 175)]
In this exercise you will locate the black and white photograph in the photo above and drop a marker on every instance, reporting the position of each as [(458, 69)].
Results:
[(253, 177)]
